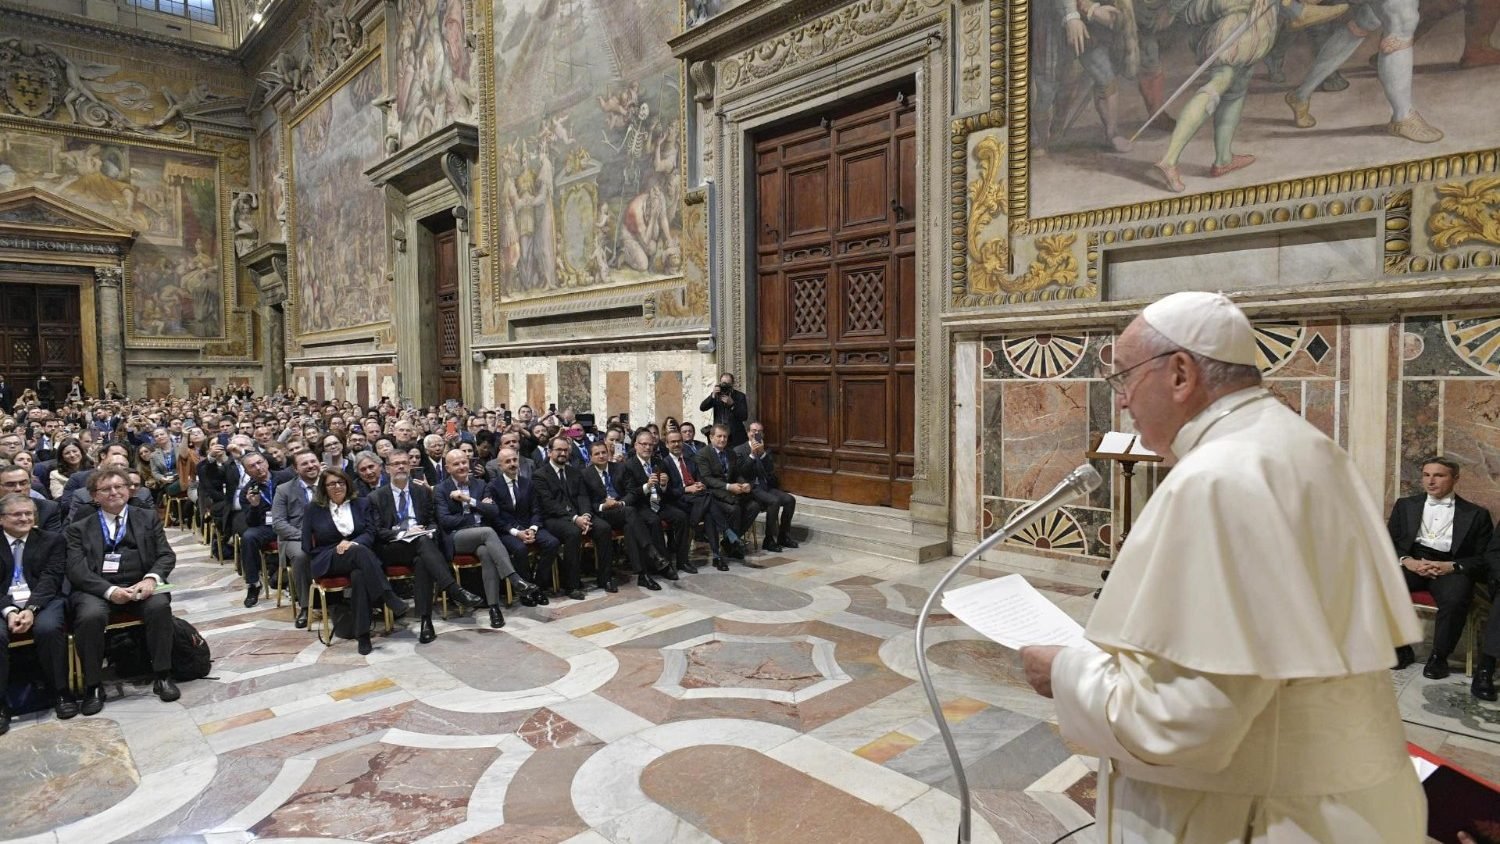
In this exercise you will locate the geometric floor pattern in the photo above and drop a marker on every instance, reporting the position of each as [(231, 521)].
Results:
[(776, 702)]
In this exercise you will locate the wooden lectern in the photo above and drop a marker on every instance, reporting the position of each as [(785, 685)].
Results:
[(1126, 450)]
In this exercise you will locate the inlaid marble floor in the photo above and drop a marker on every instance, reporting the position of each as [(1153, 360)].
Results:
[(776, 702)]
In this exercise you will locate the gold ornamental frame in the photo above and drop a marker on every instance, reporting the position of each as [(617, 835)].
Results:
[(985, 271)]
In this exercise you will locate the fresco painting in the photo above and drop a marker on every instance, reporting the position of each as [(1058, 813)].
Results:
[(170, 198), (435, 82), (589, 192), (339, 254), (1281, 91)]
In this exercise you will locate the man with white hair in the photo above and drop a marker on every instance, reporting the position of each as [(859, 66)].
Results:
[(1236, 680)]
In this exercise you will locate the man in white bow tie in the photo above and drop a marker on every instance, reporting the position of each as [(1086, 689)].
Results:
[(1441, 540)]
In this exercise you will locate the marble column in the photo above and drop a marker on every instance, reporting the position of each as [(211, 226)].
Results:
[(111, 324)]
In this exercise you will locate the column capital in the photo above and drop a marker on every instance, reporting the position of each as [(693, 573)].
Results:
[(109, 276)]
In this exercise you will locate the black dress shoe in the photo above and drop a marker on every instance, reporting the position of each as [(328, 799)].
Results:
[(165, 689), (687, 567), (576, 594), (1436, 668), (397, 606), (1483, 686), (645, 581), (252, 595), (541, 597), (496, 619), (300, 622), (66, 706), (608, 584), (788, 542), (467, 601), (1405, 656), (772, 547), (720, 564), (93, 701), (526, 599), (427, 634), (666, 572), (364, 645)]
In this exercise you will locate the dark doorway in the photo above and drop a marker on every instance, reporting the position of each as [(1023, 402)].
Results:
[(41, 332), (444, 279)]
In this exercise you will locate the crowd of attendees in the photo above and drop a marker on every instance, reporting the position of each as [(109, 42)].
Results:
[(332, 490)]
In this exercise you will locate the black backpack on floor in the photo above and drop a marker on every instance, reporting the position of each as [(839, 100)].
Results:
[(191, 659)]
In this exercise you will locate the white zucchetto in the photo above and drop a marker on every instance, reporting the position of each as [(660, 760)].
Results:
[(1208, 324)]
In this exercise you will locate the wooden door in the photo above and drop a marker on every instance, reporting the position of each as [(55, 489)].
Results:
[(445, 293), (41, 331), (836, 265)]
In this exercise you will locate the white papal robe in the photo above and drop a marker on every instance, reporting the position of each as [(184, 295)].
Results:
[(1239, 687)]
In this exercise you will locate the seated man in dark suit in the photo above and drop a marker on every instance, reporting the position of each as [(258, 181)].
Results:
[(115, 562), (557, 486), (520, 523), (778, 503), (647, 485), (602, 491), (36, 562), (691, 445), (1441, 540), (687, 492), (401, 506), (524, 465), (252, 521), (469, 516), (727, 479), (15, 479)]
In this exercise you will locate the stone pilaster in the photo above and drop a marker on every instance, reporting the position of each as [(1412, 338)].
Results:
[(111, 324)]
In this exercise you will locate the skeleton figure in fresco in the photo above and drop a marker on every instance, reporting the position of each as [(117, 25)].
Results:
[(1397, 19)]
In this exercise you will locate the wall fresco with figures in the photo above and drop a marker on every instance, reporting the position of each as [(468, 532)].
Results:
[(588, 186), (435, 74), (1286, 91), (338, 218), (170, 198)]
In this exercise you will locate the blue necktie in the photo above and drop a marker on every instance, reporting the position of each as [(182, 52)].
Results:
[(724, 461), (609, 485), (401, 511)]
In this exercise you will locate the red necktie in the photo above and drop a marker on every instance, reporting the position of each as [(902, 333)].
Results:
[(687, 474)]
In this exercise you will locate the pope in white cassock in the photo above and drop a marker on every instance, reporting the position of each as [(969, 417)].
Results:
[(1239, 688)]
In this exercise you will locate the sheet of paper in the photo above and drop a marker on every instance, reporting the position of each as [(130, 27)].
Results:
[(1115, 442), (412, 533), (1424, 768), (1138, 449), (1010, 611)]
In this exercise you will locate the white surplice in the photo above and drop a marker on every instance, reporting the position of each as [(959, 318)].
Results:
[(1239, 690)]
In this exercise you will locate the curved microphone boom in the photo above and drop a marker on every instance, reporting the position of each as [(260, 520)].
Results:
[(1080, 481)]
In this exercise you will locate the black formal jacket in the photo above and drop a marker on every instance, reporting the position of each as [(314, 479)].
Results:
[(591, 491), (521, 512), (44, 565), (555, 498), (635, 481), (7, 397), (450, 514), (86, 550), (711, 473), (257, 515), (381, 508), (218, 482), (319, 535), (762, 472), (1472, 530), (48, 515), (85, 508), (676, 483), (733, 416), (432, 470)]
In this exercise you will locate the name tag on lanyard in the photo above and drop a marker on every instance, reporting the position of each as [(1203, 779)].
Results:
[(111, 556)]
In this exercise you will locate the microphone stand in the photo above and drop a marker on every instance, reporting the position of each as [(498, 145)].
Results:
[(1079, 481)]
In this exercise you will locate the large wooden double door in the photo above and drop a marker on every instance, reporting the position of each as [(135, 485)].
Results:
[(41, 331), (836, 262)]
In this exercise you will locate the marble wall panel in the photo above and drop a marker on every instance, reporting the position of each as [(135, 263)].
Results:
[(668, 387), (573, 386), (1044, 434), (536, 391), (616, 393), (500, 389)]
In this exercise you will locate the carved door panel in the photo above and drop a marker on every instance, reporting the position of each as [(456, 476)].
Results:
[(40, 332), (445, 290), (836, 299)]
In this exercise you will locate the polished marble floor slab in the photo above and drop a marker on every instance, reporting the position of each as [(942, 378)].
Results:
[(775, 702)]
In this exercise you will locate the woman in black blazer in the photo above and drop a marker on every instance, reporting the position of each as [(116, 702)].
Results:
[(337, 538)]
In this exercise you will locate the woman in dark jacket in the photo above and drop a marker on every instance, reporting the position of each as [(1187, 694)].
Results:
[(337, 538)]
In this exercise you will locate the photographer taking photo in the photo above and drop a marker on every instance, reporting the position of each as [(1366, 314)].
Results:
[(730, 409)]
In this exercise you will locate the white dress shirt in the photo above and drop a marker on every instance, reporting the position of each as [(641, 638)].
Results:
[(343, 518), (1437, 523)]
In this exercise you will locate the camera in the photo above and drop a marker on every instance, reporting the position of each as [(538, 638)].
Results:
[(726, 389), (255, 488)]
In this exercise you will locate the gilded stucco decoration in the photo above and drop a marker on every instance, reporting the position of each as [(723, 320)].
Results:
[(332, 36), (1466, 212)]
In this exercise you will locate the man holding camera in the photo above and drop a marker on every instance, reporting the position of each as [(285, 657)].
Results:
[(252, 521), (730, 409)]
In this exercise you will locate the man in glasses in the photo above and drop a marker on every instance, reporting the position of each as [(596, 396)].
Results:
[(34, 601), (1236, 680)]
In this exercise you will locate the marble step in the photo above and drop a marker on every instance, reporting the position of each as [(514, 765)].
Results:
[(881, 517), (872, 540)]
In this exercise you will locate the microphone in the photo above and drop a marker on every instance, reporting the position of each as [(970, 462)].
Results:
[(1080, 481)]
